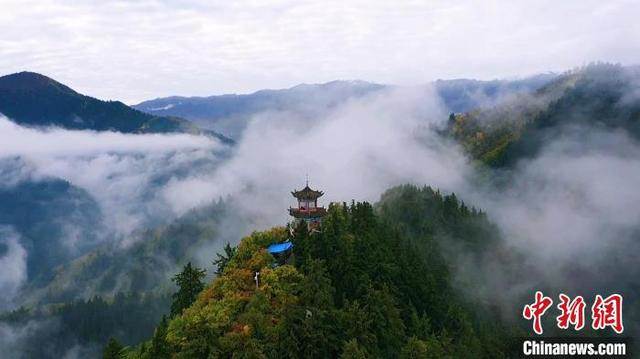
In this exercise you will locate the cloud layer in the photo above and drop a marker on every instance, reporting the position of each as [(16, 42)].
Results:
[(353, 152), (13, 261), (570, 210), (122, 172)]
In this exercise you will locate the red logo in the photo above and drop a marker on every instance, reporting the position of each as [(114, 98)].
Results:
[(605, 312), (536, 309), (572, 312)]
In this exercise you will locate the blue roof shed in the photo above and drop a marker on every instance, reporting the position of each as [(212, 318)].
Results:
[(279, 247)]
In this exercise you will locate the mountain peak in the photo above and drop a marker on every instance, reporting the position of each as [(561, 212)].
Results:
[(32, 99), (335, 84), (31, 81)]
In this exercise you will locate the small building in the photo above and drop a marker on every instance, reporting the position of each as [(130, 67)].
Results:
[(308, 209), (281, 251)]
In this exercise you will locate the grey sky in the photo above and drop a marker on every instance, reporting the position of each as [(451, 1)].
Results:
[(138, 50)]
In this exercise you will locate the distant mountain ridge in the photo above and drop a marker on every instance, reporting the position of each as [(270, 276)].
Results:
[(32, 99), (462, 95), (229, 114), (220, 105)]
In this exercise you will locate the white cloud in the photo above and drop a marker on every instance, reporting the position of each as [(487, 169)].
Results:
[(575, 199), (56, 142), (13, 261), (123, 172), (144, 49), (353, 152)]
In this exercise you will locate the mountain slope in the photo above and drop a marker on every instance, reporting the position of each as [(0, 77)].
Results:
[(32, 99), (366, 283), (600, 96), (53, 221), (144, 266), (113, 290), (462, 95)]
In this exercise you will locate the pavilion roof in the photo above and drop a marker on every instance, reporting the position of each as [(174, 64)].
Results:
[(307, 193)]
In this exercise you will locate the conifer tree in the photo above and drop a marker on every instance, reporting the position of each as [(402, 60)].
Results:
[(415, 349), (224, 258), (189, 283), (353, 350), (316, 330), (301, 245), (113, 349), (159, 347)]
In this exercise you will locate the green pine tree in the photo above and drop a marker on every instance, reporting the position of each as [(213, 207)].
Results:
[(159, 346), (223, 259), (353, 350), (113, 349), (415, 349), (190, 284)]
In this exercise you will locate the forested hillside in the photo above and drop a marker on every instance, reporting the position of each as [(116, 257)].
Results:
[(40, 214), (462, 95), (78, 328), (112, 290), (375, 282), (32, 99), (143, 266), (598, 96)]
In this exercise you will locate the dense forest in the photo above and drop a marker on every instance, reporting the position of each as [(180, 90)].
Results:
[(121, 291), (374, 282), (84, 324), (597, 96)]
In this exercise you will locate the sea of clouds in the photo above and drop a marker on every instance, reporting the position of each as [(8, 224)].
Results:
[(565, 209)]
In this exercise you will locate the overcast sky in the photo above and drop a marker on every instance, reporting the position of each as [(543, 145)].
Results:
[(137, 50)]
